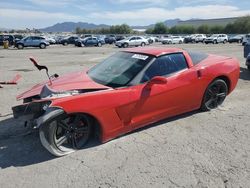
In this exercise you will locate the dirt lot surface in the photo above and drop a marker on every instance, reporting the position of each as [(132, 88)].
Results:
[(210, 149)]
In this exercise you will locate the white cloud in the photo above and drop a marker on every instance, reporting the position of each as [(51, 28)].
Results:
[(151, 15), (139, 1), (49, 2), (14, 18)]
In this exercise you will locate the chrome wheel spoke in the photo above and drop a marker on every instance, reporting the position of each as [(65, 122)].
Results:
[(61, 140), (221, 95)]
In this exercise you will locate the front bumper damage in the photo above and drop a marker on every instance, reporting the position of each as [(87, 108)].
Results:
[(30, 112)]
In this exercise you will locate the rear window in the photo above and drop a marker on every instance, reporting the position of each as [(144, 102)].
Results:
[(197, 57)]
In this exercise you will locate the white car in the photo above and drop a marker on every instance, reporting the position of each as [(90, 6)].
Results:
[(217, 38), (173, 40), (246, 39), (132, 41), (199, 38)]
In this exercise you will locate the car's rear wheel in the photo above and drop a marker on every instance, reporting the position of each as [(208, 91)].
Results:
[(65, 43), (20, 46), (65, 134), (143, 44), (42, 46), (180, 42), (214, 95), (225, 41), (99, 44), (215, 41)]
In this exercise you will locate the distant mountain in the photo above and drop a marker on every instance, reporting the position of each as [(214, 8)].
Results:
[(211, 22), (71, 26), (169, 23)]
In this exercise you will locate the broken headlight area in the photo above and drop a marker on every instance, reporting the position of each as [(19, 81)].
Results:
[(30, 108), (28, 112)]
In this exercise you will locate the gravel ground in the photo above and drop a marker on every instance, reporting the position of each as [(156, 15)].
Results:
[(196, 149)]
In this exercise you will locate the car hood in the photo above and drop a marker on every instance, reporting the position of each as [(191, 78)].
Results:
[(72, 81)]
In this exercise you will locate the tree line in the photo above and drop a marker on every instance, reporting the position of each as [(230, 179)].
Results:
[(114, 29), (240, 26)]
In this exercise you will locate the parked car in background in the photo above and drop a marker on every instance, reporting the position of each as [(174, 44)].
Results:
[(69, 40), (166, 40), (50, 40), (9, 38), (132, 41), (246, 39), (89, 41), (173, 40), (248, 62), (236, 38), (18, 37), (217, 38), (32, 41), (110, 39), (199, 38), (119, 37), (247, 54), (189, 39)]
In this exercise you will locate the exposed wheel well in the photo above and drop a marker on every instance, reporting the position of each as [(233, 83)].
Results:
[(227, 80)]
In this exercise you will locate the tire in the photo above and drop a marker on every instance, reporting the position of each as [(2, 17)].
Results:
[(225, 41), (215, 94), (20, 46), (65, 44), (215, 42), (99, 44), (180, 42), (65, 134), (143, 44), (240, 41), (125, 45), (42, 46)]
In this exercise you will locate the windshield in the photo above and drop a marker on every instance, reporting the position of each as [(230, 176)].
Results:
[(119, 69)]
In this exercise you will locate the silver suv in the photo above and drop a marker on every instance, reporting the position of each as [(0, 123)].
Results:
[(132, 41), (217, 38), (32, 41)]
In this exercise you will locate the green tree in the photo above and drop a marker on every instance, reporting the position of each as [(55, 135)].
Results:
[(203, 29), (160, 28)]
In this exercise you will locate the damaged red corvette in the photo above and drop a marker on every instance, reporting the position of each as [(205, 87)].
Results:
[(128, 90)]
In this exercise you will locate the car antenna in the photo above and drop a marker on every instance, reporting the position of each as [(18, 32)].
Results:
[(40, 67)]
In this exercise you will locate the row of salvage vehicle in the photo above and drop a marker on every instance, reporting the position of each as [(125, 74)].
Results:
[(120, 41)]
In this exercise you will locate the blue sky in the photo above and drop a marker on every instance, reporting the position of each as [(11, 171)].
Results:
[(43, 13)]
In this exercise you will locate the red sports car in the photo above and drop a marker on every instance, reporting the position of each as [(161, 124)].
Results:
[(129, 90)]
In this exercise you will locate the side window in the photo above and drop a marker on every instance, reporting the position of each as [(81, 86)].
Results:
[(164, 66), (133, 38)]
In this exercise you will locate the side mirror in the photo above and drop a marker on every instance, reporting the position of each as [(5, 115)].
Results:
[(156, 80)]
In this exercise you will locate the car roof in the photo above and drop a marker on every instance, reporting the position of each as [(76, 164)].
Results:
[(154, 50)]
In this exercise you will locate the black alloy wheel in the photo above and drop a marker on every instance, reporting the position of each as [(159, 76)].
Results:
[(215, 94), (66, 133)]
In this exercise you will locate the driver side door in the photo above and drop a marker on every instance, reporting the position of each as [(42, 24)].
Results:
[(160, 101)]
